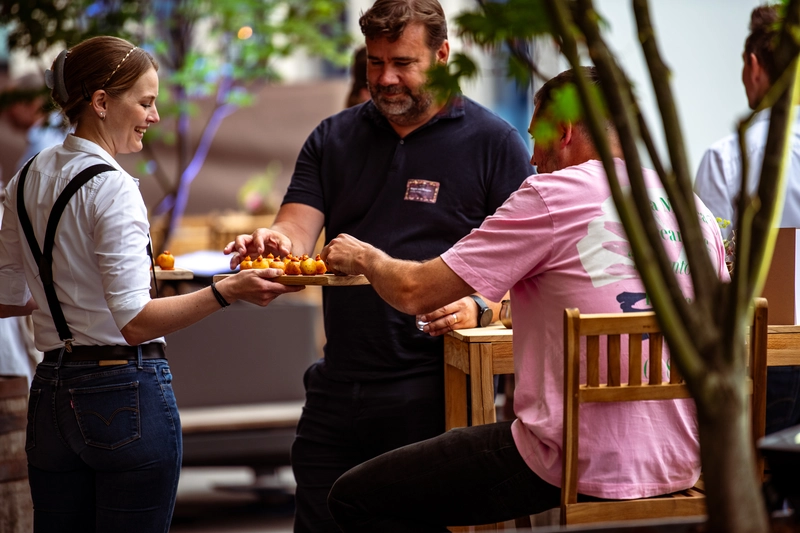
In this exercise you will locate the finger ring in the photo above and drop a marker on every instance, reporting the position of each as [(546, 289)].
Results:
[(455, 318)]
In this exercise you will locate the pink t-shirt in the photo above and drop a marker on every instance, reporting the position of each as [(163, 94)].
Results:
[(558, 243)]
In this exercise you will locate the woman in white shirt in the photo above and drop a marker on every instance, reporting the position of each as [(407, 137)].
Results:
[(104, 437)]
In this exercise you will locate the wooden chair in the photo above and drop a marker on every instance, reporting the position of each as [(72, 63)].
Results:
[(690, 502)]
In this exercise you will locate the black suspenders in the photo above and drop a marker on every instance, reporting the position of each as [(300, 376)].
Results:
[(44, 257)]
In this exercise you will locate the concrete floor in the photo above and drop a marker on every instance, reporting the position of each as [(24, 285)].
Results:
[(215, 500)]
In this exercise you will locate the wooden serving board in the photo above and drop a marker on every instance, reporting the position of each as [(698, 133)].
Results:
[(330, 280), (174, 274)]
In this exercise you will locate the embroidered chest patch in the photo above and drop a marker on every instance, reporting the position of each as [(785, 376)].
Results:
[(422, 191)]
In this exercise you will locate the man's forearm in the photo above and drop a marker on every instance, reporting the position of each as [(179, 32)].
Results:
[(413, 287)]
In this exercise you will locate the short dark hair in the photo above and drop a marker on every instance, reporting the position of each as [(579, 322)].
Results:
[(103, 62), (544, 96), (763, 38), (389, 18)]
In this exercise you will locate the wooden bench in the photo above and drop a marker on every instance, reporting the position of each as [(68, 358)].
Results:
[(255, 435)]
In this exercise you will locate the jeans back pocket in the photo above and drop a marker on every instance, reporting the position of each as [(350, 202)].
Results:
[(109, 415)]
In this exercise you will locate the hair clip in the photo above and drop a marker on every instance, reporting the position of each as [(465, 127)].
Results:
[(85, 92), (54, 79)]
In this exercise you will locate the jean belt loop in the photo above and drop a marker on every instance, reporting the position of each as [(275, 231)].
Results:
[(60, 357), (139, 357)]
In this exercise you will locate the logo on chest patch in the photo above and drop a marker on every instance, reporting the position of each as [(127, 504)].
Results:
[(422, 191)]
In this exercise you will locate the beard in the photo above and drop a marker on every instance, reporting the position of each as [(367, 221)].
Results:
[(404, 111), (548, 161)]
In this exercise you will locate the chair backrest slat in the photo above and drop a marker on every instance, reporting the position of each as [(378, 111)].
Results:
[(656, 346), (635, 359), (593, 361), (613, 356), (674, 373)]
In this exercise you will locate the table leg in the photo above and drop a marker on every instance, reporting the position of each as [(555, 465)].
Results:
[(455, 399), (482, 384)]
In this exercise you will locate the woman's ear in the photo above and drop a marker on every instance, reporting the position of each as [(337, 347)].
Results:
[(100, 102)]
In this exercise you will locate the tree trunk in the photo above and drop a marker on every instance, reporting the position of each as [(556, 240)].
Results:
[(728, 456)]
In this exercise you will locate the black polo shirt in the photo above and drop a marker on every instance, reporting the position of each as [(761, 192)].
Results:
[(413, 198)]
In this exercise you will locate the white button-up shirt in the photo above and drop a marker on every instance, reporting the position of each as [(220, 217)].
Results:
[(719, 177), (101, 269)]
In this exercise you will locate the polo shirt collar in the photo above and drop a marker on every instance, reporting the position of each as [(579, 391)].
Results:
[(453, 109)]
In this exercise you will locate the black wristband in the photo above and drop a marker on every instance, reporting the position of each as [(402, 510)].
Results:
[(222, 301)]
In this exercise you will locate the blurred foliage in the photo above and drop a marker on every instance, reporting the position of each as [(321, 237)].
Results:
[(258, 195), (196, 42), (219, 50)]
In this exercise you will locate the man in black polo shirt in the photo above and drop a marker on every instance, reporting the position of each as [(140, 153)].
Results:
[(410, 176)]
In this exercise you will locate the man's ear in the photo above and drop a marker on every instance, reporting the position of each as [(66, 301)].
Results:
[(566, 131), (758, 75), (443, 53)]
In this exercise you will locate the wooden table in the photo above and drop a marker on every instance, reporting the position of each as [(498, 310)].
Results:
[(479, 353), (783, 345), (173, 275)]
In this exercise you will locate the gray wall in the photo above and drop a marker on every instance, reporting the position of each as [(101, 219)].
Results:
[(702, 41)]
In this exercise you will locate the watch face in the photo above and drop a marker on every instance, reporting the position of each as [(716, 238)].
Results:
[(486, 317)]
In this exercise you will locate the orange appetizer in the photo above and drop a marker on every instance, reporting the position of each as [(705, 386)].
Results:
[(260, 263), (246, 264), (308, 266), (319, 264), (166, 260)]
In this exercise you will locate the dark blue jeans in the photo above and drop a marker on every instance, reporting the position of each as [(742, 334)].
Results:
[(104, 447), (783, 397), (468, 476), (346, 423)]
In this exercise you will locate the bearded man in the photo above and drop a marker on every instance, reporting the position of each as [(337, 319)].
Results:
[(410, 175)]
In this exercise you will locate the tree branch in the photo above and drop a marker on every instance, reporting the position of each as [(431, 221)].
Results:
[(678, 184), (642, 250)]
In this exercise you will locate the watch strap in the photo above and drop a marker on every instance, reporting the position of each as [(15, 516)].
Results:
[(483, 310)]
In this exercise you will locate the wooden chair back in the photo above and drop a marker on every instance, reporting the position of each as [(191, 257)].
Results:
[(620, 388)]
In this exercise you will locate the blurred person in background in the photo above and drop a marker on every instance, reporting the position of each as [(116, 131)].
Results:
[(26, 111), (104, 442), (719, 180), (359, 90), (410, 174), (24, 101)]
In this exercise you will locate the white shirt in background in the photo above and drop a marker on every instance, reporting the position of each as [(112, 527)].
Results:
[(719, 176)]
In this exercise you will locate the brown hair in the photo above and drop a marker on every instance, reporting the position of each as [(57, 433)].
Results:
[(104, 62), (389, 18), (763, 37), (544, 96)]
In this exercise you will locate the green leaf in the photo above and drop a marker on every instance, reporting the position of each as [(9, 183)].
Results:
[(544, 131), (498, 21)]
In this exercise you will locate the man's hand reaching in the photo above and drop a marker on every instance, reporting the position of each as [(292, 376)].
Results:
[(262, 241)]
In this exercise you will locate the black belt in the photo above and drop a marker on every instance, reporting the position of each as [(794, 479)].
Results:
[(153, 350)]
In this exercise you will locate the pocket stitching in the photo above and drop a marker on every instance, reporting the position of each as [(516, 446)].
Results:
[(80, 415), (30, 433)]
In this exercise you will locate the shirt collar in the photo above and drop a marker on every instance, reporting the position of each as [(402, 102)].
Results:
[(79, 144)]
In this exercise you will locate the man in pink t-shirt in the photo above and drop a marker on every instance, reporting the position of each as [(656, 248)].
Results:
[(557, 242)]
